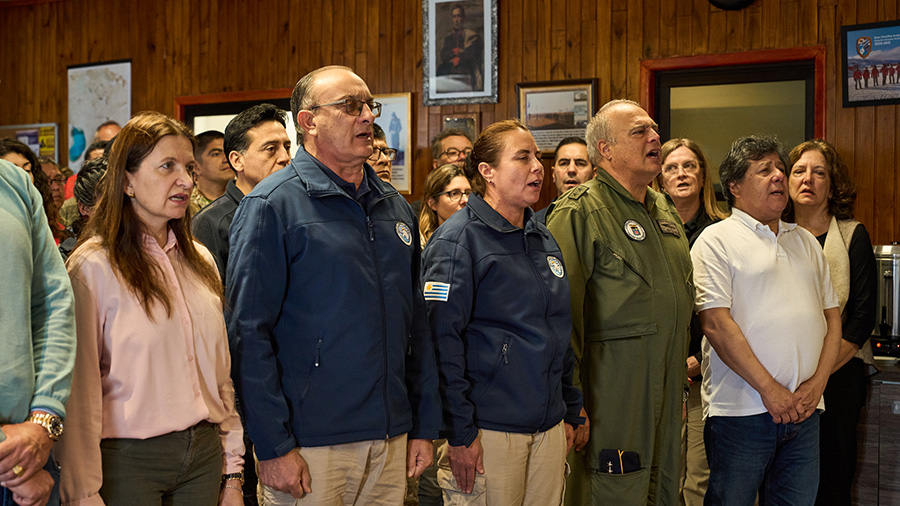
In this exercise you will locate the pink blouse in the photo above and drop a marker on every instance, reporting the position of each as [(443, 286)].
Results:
[(140, 377)]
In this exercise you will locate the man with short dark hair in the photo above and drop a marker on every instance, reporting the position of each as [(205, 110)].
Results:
[(382, 156), (773, 329), (333, 355), (257, 144), (212, 172), (107, 131), (571, 167), (450, 145), (629, 272)]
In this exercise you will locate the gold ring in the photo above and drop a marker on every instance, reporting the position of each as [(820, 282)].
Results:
[(17, 470)]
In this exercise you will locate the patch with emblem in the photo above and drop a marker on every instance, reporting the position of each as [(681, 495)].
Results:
[(635, 231), (436, 291), (556, 267), (403, 233), (668, 227)]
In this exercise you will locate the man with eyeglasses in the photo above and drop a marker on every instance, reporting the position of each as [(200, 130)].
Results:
[(55, 178), (333, 357), (382, 156)]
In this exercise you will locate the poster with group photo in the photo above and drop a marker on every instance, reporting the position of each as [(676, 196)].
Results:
[(871, 64)]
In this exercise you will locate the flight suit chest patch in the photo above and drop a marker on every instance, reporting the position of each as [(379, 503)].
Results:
[(668, 227), (635, 231)]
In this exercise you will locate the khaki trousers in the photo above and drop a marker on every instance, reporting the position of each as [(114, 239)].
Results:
[(360, 473), (519, 470), (694, 469)]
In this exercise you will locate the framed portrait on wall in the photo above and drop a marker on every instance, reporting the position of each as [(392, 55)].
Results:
[(460, 48), (870, 67), (554, 110), (396, 121)]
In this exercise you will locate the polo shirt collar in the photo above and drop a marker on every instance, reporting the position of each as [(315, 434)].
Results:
[(756, 225)]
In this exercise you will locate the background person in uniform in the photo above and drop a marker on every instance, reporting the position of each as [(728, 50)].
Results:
[(152, 407), (571, 167), (212, 172), (506, 367), (338, 382), (37, 348), (382, 156), (256, 145), (822, 198), (772, 327), (686, 180), (629, 270)]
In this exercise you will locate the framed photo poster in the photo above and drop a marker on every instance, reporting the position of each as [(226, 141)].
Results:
[(396, 121), (98, 92), (467, 122), (554, 110), (460, 39), (871, 64)]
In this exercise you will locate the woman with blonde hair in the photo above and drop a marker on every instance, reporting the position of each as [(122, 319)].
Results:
[(151, 418), (446, 191)]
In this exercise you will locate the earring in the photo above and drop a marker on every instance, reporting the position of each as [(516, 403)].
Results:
[(130, 192)]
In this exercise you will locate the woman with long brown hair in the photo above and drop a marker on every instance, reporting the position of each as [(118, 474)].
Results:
[(151, 417)]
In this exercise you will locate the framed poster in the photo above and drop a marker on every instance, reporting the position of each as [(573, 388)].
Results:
[(870, 67), (460, 39), (40, 137), (467, 122), (396, 121), (98, 92), (554, 110)]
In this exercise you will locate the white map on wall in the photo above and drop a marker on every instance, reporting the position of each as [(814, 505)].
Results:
[(97, 93)]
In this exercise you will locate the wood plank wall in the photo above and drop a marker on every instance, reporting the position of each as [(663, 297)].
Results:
[(188, 47)]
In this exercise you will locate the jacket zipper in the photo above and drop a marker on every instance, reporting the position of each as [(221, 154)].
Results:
[(555, 338)]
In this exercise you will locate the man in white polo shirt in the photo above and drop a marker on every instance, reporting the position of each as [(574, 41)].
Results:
[(772, 326)]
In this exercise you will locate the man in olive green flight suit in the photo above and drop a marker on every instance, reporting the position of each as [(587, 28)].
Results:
[(630, 275)]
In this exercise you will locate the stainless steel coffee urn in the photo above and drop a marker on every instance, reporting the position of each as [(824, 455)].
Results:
[(886, 336)]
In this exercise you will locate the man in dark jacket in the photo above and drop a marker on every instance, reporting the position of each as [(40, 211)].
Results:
[(335, 361)]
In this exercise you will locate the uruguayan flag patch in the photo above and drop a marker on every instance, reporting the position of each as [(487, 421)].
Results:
[(437, 291)]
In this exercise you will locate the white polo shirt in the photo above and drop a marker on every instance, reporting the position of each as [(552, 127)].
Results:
[(777, 287)]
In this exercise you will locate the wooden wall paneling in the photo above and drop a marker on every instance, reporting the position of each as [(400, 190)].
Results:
[(700, 30), (617, 68), (753, 28), (864, 159), (588, 39), (827, 37), (602, 61), (634, 50), (771, 19), (718, 31), (672, 36), (734, 31), (787, 33), (573, 35), (807, 23), (884, 171), (650, 28)]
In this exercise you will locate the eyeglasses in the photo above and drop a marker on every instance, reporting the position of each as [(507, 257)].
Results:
[(454, 153), (354, 106), (391, 153), (688, 166), (454, 195), (58, 180)]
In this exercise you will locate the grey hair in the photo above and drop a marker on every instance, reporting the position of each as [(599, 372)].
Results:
[(743, 151), (302, 98), (598, 129)]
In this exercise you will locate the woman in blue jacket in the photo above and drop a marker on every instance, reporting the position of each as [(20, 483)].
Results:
[(498, 303)]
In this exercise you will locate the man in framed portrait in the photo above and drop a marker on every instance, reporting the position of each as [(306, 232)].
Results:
[(462, 54)]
